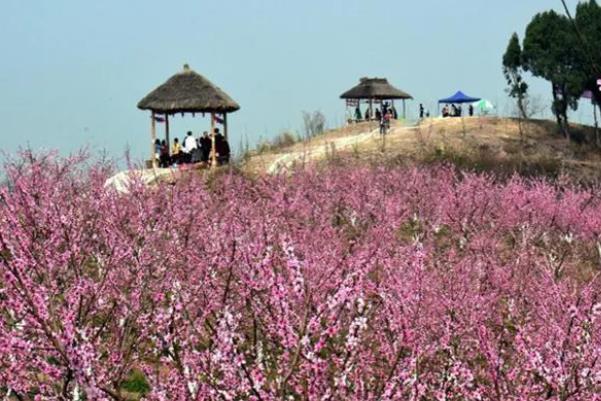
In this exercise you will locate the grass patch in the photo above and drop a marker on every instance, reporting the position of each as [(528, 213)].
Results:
[(136, 383)]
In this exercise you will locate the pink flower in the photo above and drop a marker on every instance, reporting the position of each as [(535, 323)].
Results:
[(347, 282)]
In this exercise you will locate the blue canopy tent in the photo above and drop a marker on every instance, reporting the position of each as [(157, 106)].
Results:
[(459, 97)]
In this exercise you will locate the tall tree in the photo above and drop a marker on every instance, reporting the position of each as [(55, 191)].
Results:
[(513, 69), (588, 25), (551, 52), (588, 28)]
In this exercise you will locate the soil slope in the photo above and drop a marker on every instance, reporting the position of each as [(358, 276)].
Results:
[(481, 143)]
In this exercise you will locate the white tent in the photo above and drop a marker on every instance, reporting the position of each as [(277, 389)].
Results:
[(483, 106)]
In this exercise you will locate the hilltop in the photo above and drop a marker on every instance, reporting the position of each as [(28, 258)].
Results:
[(478, 143), (484, 144)]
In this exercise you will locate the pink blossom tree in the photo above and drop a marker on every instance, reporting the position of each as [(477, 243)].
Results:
[(345, 282)]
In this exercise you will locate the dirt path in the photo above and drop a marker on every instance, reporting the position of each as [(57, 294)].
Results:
[(318, 151), (321, 149)]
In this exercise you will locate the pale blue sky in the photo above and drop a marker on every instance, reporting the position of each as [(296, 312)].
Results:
[(72, 71)]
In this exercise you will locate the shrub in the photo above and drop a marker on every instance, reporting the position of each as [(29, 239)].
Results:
[(313, 123), (136, 383), (283, 140)]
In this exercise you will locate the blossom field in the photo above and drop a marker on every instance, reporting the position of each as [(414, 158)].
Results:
[(345, 282)]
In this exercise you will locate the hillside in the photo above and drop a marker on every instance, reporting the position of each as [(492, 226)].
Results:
[(476, 143)]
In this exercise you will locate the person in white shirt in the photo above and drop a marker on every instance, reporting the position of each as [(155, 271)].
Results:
[(189, 146)]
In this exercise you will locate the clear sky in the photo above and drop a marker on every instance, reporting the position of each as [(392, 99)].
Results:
[(72, 71)]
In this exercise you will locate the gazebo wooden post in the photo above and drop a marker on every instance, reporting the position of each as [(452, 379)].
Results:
[(596, 122), (153, 136), (225, 125), (346, 119), (213, 149), (371, 111), (167, 133)]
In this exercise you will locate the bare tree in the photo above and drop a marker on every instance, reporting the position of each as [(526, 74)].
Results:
[(313, 123), (533, 106)]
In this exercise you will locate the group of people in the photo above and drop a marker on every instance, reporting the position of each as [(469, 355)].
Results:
[(378, 115), (193, 150), (456, 111)]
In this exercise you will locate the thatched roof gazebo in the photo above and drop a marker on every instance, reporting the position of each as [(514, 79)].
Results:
[(375, 90), (188, 92)]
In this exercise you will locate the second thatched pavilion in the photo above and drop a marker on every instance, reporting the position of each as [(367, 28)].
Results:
[(374, 90), (188, 92)]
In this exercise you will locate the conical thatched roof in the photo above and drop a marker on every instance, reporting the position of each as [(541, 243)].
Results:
[(188, 91), (375, 88)]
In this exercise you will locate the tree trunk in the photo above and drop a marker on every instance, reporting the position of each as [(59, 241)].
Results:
[(555, 104), (522, 108), (520, 95), (597, 139), (560, 109), (564, 112)]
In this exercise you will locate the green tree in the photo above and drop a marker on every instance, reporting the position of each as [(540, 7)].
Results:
[(551, 52), (588, 25), (513, 71)]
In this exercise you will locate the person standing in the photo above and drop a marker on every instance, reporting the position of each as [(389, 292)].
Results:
[(471, 110), (382, 125), (196, 154), (157, 150), (222, 148), (189, 146), (358, 114), (387, 118), (164, 160), (176, 151), (205, 146), (378, 114), (421, 111)]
